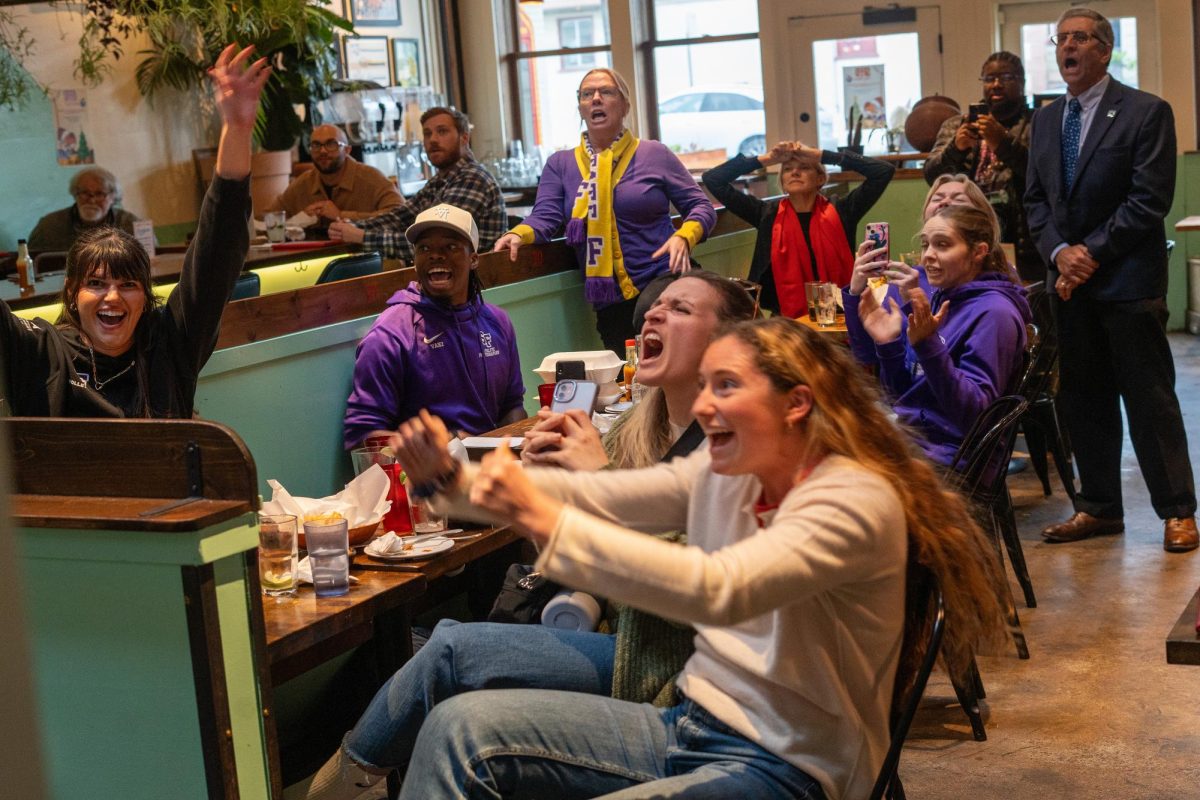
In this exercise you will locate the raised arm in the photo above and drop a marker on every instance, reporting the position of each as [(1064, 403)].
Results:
[(719, 180), (237, 85)]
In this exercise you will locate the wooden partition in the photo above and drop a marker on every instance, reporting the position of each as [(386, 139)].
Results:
[(137, 540)]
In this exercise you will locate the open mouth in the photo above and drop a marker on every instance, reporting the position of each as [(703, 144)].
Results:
[(1070, 62), (719, 438), (652, 347), (439, 276), (599, 115), (110, 319)]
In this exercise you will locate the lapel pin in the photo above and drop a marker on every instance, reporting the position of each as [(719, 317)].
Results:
[(1112, 112)]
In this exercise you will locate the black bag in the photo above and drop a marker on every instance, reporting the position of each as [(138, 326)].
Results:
[(523, 596)]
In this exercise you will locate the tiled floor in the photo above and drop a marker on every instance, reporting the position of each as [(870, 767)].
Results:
[(1096, 712)]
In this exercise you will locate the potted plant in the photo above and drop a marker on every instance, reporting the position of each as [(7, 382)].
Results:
[(854, 124)]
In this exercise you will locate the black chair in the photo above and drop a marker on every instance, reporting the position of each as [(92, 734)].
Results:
[(1040, 423), (50, 261), (248, 285), (346, 267), (978, 472), (923, 593)]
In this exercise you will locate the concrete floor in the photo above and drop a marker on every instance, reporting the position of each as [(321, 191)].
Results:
[(1096, 712)]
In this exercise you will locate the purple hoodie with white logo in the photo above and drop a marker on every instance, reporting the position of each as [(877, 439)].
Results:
[(944, 383), (459, 362)]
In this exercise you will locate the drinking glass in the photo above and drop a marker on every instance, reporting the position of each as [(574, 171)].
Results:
[(826, 304), (276, 224), (277, 554), (425, 519), (810, 292), (328, 553), (396, 518)]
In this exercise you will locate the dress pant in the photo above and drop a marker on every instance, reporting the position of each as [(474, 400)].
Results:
[(1114, 351), (615, 325)]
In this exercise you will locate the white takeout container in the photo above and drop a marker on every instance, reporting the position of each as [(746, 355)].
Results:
[(602, 366)]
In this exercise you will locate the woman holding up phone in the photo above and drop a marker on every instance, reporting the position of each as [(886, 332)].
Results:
[(802, 515)]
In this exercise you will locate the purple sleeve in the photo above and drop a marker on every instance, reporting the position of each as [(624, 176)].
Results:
[(549, 208), (861, 345), (893, 366), (964, 388), (378, 387), (685, 194)]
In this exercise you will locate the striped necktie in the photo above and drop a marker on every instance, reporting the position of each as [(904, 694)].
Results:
[(1070, 140)]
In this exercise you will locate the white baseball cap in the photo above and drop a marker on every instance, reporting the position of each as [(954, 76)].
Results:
[(444, 216)]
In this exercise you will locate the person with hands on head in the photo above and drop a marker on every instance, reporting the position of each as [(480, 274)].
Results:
[(614, 194), (117, 350), (803, 237), (802, 515), (639, 660), (957, 352)]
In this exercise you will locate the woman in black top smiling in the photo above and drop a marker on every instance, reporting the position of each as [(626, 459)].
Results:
[(117, 350)]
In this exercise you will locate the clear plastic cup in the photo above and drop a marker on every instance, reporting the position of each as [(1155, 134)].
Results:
[(277, 554), (424, 518), (328, 553)]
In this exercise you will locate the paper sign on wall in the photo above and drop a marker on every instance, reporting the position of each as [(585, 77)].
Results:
[(864, 90), (71, 121)]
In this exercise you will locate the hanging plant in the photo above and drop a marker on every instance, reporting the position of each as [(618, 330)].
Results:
[(16, 85)]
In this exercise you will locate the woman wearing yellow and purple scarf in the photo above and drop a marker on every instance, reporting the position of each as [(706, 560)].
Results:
[(614, 193)]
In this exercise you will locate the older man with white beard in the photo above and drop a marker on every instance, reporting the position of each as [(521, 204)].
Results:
[(97, 193)]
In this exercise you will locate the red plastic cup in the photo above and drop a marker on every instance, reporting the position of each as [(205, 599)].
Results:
[(397, 519), (546, 394)]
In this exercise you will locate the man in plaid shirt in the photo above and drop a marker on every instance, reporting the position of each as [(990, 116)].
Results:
[(460, 181)]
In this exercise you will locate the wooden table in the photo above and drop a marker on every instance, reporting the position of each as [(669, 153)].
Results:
[(1183, 643), (835, 331), (1188, 224)]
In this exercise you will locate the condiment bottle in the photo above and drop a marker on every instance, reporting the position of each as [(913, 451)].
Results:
[(26, 276), (630, 368)]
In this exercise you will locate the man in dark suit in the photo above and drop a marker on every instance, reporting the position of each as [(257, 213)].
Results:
[(1101, 179)]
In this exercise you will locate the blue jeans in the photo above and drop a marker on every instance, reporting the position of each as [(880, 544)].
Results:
[(526, 743), (464, 657)]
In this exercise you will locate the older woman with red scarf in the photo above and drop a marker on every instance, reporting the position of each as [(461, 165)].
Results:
[(804, 236)]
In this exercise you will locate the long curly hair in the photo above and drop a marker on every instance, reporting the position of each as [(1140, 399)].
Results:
[(851, 418)]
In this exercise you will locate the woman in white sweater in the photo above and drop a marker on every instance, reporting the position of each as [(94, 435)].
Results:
[(802, 517)]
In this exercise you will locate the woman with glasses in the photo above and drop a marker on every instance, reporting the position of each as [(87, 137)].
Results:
[(117, 349), (803, 237), (992, 149), (97, 193), (614, 194)]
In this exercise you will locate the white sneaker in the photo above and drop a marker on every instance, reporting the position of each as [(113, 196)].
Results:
[(341, 779)]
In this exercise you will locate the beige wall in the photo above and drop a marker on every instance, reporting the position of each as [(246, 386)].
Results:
[(969, 33)]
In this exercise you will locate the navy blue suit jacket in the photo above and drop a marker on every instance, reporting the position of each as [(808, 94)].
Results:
[(1124, 186)]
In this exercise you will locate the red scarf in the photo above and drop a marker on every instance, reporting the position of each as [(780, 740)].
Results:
[(790, 261)]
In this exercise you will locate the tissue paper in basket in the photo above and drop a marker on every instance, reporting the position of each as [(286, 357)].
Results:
[(362, 503)]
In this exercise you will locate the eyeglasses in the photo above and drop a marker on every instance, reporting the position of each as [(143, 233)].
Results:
[(607, 92), (1000, 77), (329, 146), (90, 196), (1078, 37)]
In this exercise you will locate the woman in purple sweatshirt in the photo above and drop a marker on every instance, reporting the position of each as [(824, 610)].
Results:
[(614, 194), (962, 349)]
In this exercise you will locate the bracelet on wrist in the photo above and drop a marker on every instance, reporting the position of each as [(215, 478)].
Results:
[(440, 483)]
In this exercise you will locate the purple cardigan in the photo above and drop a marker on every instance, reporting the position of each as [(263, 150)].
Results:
[(653, 181)]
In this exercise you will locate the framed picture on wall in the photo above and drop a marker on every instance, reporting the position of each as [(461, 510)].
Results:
[(406, 62), (374, 12), (365, 58)]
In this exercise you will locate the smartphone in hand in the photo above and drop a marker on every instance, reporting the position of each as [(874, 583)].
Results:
[(569, 394), (975, 111), (877, 235)]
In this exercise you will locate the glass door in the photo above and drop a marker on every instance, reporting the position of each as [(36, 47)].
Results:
[(866, 78), (1026, 28)]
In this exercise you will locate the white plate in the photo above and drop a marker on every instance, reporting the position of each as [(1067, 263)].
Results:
[(427, 548), (492, 442)]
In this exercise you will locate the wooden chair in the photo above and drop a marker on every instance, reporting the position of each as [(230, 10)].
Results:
[(50, 261), (923, 593)]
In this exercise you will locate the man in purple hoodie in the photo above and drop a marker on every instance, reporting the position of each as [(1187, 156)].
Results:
[(437, 345)]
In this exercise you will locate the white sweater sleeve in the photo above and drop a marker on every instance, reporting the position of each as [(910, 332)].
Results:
[(841, 526)]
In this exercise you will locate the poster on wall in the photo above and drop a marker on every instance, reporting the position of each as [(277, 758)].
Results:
[(366, 59), (71, 125), (863, 87), (406, 62), (375, 12)]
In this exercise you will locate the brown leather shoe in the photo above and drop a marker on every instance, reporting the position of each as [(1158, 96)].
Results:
[(1179, 535), (1081, 526)]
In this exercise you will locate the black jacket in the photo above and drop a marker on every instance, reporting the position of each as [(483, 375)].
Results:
[(761, 213), (43, 364)]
